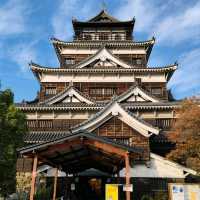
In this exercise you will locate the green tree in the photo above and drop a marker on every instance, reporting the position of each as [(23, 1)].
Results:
[(12, 129), (186, 134)]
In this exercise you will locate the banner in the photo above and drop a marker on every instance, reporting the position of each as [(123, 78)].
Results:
[(112, 192), (178, 191)]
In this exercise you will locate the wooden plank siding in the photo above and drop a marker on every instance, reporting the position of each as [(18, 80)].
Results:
[(162, 123), (118, 129), (121, 132), (119, 88), (52, 124)]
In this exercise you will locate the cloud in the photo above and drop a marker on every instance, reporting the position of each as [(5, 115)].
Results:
[(186, 79), (61, 20), (12, 17), (22, 54), (172, 22), (145, 13), (181, 27)]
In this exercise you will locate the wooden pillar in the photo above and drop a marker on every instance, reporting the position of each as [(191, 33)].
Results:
[(55, 183), (127, 167), (34, 174)]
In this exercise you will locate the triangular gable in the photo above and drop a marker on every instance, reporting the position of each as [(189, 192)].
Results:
[(69, 95), (114, 109), (107, 63), (136, 94), (103, 55), (103, 16)]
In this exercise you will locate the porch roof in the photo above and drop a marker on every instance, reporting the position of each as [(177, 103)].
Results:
[(81, 151)]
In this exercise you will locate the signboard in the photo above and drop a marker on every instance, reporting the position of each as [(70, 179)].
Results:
[(111, 192), (181, 191), (73, 186), (128, 188)]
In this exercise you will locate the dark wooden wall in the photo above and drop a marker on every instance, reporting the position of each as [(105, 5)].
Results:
[(118, 87), (121, 132), (52, 124)]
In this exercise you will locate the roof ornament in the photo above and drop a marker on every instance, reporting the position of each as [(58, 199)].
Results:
[(74, 19), (71, 84), (103, 5), (114, 97)]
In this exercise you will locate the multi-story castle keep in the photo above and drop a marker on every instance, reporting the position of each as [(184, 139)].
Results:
[(102, 102)]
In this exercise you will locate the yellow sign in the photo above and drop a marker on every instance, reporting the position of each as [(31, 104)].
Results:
[(111, 192), (193, 196)]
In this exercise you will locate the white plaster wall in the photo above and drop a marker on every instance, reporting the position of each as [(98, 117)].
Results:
[(66, 51), (157, 169), (156, 115), (100, 77), (60, 115)]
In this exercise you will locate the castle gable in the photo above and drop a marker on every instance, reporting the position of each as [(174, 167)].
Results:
[(103, 16), (114, 109), (102, 58), (69, 95), (137, 94)]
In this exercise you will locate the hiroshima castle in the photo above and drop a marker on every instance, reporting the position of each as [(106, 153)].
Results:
[(102, 116)]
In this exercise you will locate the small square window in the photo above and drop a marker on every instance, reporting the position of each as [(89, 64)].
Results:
[(50, 90), (138, 61), (69, 61), (156, 91)]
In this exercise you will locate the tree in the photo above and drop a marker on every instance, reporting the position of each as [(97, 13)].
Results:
[(186, 134), (12, 129)]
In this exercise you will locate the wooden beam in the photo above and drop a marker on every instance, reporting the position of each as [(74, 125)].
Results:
[(127, 167), (55, 183), (62, 147), (34, 174), (62, 155), (106, 147)]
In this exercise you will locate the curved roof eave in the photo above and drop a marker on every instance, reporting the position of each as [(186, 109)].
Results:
[(115, 109), (99, 43), (38, 68)]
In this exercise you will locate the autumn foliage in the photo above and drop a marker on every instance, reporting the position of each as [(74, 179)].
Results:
[(186, 134)]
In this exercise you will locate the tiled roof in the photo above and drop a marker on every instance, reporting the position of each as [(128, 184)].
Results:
[(80, 134), (60, 106), (104, 110), (104, 14), (38, 68), (98, 106), (98, 44), (43, 136)]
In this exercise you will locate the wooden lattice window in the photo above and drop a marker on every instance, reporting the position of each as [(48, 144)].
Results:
[(87, 37), (50, 90), (102, 91), (156, 91), (138, 61), (103, 36), (118, 37), (69, 61), (123, 140)]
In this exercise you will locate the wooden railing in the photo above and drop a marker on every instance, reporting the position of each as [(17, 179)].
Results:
[(165, 123), (51, 125)]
